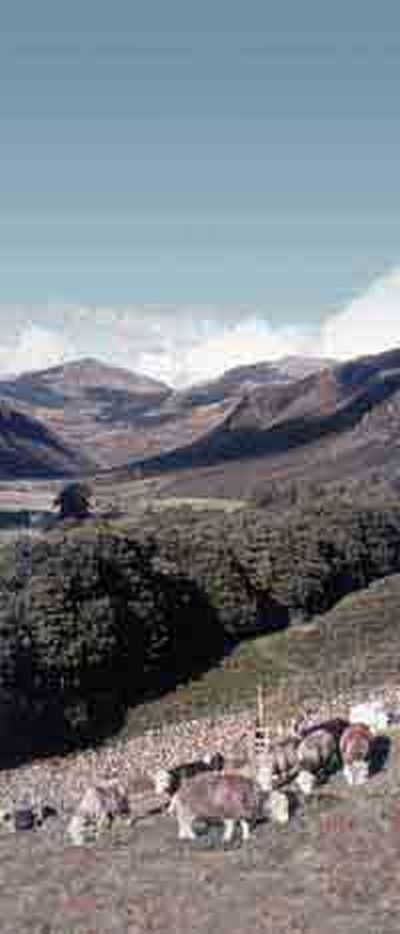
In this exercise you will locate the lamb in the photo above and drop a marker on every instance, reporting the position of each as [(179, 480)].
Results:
[(230, 798), (356, 748)]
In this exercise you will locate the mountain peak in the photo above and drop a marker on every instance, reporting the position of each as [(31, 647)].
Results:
[(91, 372)]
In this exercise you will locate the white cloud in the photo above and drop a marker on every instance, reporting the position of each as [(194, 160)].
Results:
[(35, 347), (195, 343), (370, 323), (246, 342)]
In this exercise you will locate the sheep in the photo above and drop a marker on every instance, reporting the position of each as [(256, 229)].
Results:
[(231, 798), (317, 751), (278, 763), (100, 805), (356, 748), (335, 726), (167, 781)]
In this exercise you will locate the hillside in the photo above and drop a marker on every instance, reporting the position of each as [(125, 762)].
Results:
[(332, 869), (331, 424), (115, 415), (84, 402), (234, 382), (30, 450)]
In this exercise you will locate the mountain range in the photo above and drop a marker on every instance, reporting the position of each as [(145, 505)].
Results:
[(112, 415), (86, 417)]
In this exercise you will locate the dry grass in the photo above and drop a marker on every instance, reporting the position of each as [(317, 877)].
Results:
[(352, 648), (332, 869)]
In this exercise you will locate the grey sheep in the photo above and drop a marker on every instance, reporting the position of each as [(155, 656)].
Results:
[(317, 750), (230, 798), (169, 780)]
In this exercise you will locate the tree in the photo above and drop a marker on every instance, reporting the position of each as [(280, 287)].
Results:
[(73, 501)]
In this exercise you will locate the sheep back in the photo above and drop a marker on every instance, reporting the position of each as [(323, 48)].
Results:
[(222, 796)]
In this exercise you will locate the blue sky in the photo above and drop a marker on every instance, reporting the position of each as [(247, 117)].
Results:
[(217, 176)]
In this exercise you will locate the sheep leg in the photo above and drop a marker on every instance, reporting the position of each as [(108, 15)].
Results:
[(185, 818), (229, 828)]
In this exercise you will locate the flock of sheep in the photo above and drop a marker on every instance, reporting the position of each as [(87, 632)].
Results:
[(306, 756), (210, 789)]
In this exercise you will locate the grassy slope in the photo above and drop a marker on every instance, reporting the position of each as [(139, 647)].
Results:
[(354, 646)]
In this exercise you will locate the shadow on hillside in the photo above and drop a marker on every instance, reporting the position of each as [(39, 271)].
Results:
[(225, 444), (87, 720)]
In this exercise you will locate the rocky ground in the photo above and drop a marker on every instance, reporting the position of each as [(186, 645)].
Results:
[(333, 868)]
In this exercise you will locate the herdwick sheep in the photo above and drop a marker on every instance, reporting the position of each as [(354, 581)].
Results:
[(355, 748), (278, 764), (230, 798), (167, 781), (316, 752), (100, 805)]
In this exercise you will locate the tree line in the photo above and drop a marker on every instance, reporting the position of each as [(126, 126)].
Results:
[(93, 618)]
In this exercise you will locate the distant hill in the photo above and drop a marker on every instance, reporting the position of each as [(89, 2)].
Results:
[(343, 417), (83, 401), (28, 449), (114, 415), (235, 381)]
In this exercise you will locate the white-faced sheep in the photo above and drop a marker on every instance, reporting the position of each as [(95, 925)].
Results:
[(167, 781), (230, 798), (100, 805), (356, 748), (317, 751), (278, 763)]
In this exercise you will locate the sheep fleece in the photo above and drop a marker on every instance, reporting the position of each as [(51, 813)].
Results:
[(222, 796)]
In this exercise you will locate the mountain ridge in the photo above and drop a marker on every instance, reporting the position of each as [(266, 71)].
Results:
[(351, 405), (115, 415)]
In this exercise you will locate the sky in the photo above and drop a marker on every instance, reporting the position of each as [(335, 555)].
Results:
[(188, 186)]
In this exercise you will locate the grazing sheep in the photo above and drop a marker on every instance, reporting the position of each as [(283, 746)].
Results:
[(100, 805), (317, 751), (231, 798), (355, 748), (169, 780), (278, 764), (335, 726)]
